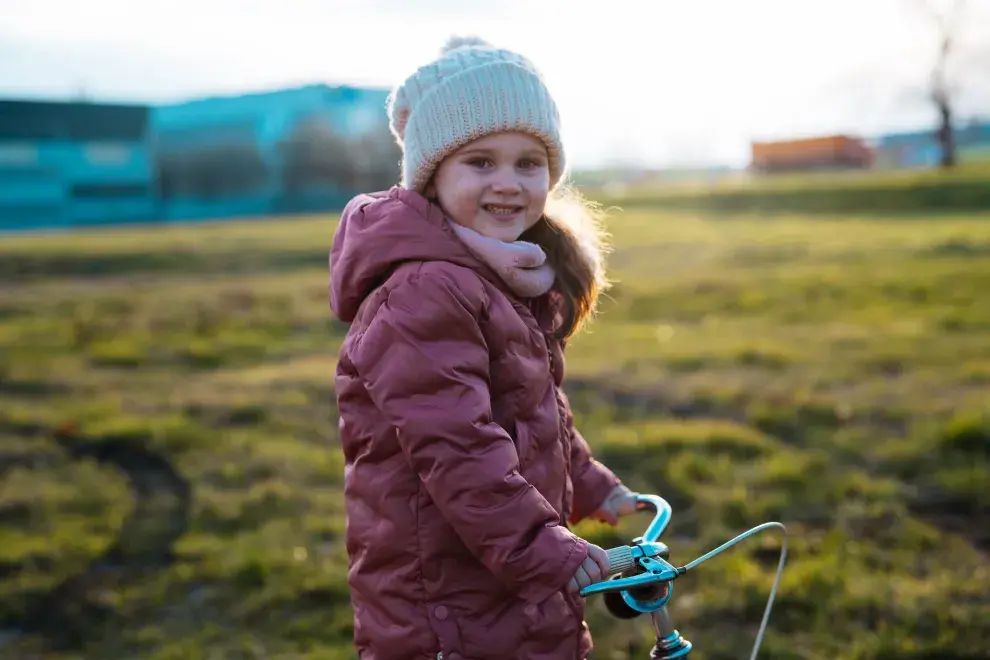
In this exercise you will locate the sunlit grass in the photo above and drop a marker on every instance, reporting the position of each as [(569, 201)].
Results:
[(833, 374)]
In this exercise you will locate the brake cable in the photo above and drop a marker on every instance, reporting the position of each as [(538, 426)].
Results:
[(642, 581)]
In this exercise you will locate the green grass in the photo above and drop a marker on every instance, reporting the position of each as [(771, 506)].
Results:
[(965, 188), (830, 373)]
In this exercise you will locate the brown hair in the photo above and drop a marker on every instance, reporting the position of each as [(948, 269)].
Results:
[(570, 231)]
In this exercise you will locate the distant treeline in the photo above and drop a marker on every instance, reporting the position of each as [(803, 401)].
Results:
[(312, 157), (967, 190)]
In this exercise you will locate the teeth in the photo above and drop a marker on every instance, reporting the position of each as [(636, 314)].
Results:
[(501, 210)]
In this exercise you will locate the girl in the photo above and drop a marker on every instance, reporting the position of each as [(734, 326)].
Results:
[(463, 466)]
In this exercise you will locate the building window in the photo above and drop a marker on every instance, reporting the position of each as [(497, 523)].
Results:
[(109, 191), (107, 153), (18, 155)]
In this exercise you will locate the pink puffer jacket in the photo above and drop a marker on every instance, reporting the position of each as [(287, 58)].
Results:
[(462, 464)]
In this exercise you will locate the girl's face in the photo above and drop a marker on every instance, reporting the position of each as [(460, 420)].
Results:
[(496, 185)]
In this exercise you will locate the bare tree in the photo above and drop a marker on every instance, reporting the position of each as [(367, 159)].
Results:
[(317, 155), (211, 171), (947, 22)]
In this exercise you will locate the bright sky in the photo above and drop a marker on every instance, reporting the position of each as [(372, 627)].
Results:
[(659, 82)]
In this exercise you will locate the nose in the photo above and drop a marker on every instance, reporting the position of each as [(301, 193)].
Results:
[(506, 182)]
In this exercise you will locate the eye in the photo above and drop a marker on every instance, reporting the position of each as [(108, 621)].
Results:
[(480, 162), (529, 164)]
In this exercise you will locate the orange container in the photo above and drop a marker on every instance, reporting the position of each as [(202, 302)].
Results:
[(825, 151)]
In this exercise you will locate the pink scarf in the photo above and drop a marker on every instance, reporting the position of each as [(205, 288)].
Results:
[(521, 265)]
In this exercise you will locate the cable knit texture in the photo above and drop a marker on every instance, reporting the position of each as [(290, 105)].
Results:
[(473, 89)]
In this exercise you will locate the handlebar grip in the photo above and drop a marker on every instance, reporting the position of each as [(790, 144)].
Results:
[(620, 559)]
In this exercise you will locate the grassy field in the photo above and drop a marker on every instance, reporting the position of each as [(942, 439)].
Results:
[(171, 481), (912, 192)]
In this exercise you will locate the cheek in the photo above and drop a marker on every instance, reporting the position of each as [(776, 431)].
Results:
[(460, 190), (458, 199), (538, 193)]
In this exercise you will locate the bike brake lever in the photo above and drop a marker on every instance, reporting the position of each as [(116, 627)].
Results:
[(655, 570)]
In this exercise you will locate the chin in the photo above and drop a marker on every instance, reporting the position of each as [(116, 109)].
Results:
[(506, 233)]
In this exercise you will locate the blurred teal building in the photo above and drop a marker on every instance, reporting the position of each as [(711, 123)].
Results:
[(284, 151), (311, 148), (70, 164), (921, 149)]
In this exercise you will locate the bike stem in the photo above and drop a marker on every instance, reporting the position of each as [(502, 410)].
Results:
[(669, 645)]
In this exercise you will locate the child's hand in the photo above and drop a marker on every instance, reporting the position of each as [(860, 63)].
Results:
[(593, 569), (620, 502)]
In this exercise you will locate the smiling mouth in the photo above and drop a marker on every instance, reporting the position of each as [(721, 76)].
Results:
[(503, 210)]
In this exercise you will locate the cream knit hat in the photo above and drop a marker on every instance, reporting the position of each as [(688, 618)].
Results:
[(473, 89)]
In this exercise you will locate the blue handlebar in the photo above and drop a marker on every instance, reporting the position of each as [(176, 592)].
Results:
[(647, 554), (642, 578), (660, 520)]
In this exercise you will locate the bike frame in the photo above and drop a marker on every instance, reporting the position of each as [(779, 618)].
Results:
[(643, 578)]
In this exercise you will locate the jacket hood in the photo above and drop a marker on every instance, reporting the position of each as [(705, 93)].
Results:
[(377, 232)]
